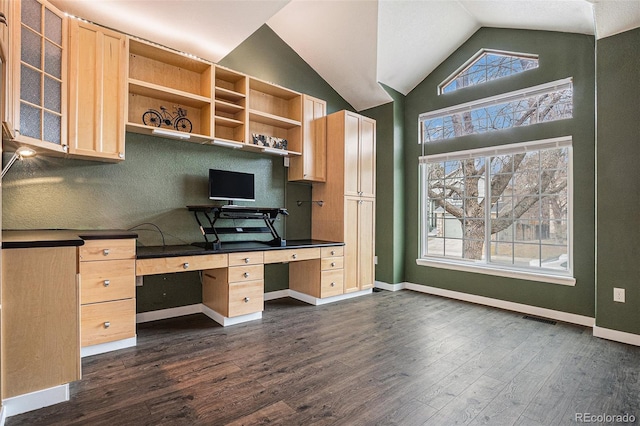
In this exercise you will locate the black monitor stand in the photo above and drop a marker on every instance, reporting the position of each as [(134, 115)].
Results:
[(214, 213)]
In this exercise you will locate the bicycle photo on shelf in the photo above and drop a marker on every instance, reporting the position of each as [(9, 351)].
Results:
[(178, 121)]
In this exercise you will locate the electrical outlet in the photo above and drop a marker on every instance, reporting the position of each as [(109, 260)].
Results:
[(618, 295), (139, 281), (286, 161), (375, 260)]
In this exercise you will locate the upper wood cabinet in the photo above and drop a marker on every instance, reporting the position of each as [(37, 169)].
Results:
[(359, 136), (230, 105), (97, 92), (39, 61), (275, 112), (311, 166), (170, 93)]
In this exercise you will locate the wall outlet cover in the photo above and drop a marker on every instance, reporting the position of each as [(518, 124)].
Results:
[(618, 295)]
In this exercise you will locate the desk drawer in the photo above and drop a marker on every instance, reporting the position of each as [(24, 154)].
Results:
[(331, 283), (246, 273), (328, 263), (107, 249), (332, 251), (246, 298), (104, 281), (245, 258), (107, 321), (291, 255), (165, 265)]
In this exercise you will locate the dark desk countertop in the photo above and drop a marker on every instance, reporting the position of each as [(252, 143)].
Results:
[(30, 238), (227, 247)]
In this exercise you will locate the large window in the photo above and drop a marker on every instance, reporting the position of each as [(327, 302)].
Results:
[(506, 207), (547, 102)]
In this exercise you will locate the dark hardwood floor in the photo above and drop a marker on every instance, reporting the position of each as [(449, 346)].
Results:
[(400, 358)]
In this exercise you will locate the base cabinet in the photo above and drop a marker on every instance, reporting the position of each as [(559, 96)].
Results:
[(236, 290), (319, 278), (108, 304), (40, 328)]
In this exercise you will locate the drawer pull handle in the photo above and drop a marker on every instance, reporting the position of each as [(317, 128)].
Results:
[(105, 252), (295, 256), (333, 284), (106, 283), (333, 252), (333, 264), (107, 324), (246, 275), (185, 265), (246, 260), (246, 300)]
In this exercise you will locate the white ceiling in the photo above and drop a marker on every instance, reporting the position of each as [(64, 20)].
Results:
[(352, 44)]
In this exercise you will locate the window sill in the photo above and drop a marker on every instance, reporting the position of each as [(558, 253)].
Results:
[(492, 270)]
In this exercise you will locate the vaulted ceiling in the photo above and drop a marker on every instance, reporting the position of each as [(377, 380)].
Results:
[(352, 44)]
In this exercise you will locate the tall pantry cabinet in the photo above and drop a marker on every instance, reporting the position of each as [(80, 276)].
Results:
[(348, 209)]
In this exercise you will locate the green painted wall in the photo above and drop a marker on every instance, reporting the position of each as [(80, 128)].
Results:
[(618, 181), (160, 177), (389, 188), (561, 55)]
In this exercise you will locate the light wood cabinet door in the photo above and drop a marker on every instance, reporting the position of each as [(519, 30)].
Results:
[(351, 154), (366, 243), (97, 88), (351, 241), (40, 319), (367, 158), (39, 62), (311, 166)]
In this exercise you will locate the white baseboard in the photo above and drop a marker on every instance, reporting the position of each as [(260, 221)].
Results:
[(3, 416), (503, 304), (35, 400), (618, 336), (389, 287), (279, 294), (107, 347), (225, 321), (169, 313)]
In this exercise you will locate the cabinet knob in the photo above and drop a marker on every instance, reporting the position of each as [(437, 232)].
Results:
[(333, 252), (246, 300), (121, 154), (246, 275), (106, 283), (107, 324), (185, 265), (333, 264), (295, 256), (105, 252), (246, 260), (333, 284), (359, 201)]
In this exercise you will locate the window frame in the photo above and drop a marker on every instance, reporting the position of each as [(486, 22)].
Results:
[(541, 275)]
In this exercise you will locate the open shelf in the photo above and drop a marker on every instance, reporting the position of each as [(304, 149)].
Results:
[(230, 101), (172, 96)]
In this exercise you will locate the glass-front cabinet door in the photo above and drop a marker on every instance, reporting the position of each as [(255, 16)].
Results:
[(40, 61)]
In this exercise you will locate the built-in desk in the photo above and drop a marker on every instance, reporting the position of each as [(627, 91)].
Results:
[(233, 275)]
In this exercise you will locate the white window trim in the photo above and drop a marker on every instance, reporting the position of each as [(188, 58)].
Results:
[(469, 62), (494, 100), (500, 272), (490, 269)]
